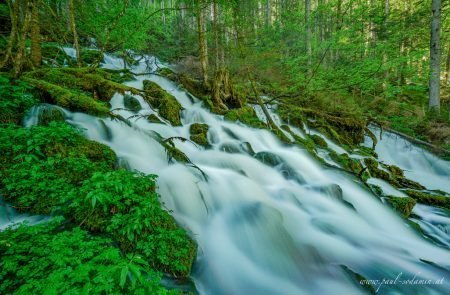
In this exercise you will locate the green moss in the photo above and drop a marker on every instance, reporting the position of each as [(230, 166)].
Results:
[(120, 76), (168, 73), (403, 205), (429, 199), (199, 133), (168, 107), (246, 115), (372, 166), (346, 162), (49, 114), (71, 99), (153, 119), (131, 103), (318, 140)]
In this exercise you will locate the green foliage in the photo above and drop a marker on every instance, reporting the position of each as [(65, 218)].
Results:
[(126, 206), (48, 259), (246, 115), (15, 99)]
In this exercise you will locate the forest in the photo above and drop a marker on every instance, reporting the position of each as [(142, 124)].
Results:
[(224, 147)]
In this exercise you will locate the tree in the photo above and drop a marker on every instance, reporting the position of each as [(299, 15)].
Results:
[(435, 56)]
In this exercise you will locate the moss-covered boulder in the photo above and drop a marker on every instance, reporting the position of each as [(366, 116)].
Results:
[(347, 162), (246, 115), (168, 107), (199, 133), (131, 103), (47, 113), (120, 76), (403, 205), (429, 199), (375, 171), (168, 73)]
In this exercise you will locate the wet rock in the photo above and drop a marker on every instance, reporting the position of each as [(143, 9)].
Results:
[(278, 163), (49, 113), (168, 107), (429, 199), (131, 103), (231, 148), (154, 119), (199, 133), (403, 205)]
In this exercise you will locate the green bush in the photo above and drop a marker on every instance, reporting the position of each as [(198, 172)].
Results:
[(125, 205), (45, 259), (15, 99)]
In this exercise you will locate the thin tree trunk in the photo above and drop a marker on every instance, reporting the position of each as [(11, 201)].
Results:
[(14, 14), (434, 100), (19, 58), (216, 36), (269, 14), (308, 32), (447, 67), (36, 52), (201, 44), (73, 28)]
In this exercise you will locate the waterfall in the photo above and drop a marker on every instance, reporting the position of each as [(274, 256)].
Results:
[(295, 227)]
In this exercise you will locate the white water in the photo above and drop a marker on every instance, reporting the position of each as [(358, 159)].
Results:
[(418, 164), (258, 231)]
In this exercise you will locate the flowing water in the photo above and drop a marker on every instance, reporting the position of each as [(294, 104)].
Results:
[(291, 227)]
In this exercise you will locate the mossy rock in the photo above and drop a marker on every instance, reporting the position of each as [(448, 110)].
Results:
[(403, 205), (429, 199), (372, 166), (152, 118), (168, 107), (346, 162), (199, 133), (131, 103), (168, 73), (319, 141), (246, 115), (120, 76), (90, 56)]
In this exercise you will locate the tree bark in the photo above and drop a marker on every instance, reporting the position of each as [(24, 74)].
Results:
[(308, 32), (73, 28), (434, 100), (201, 43), (19, 58), (36, 52), (14, 14)]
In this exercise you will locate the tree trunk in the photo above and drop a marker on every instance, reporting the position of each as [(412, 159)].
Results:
[(434, 101), (269, 14), (202, 43), (308, 32), (36, 52), (447, 67), (19, 58), (216, 36), (73, 28), (14, 14)]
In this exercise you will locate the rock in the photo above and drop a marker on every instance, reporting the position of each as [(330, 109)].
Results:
[(246, 115), (154, 119), (403, 205), (168, 107), (131, 103), (199, 133), (278, 163), (429, 199), (49, 113)]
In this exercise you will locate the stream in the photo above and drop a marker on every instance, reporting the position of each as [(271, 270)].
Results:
[(274, 220)]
